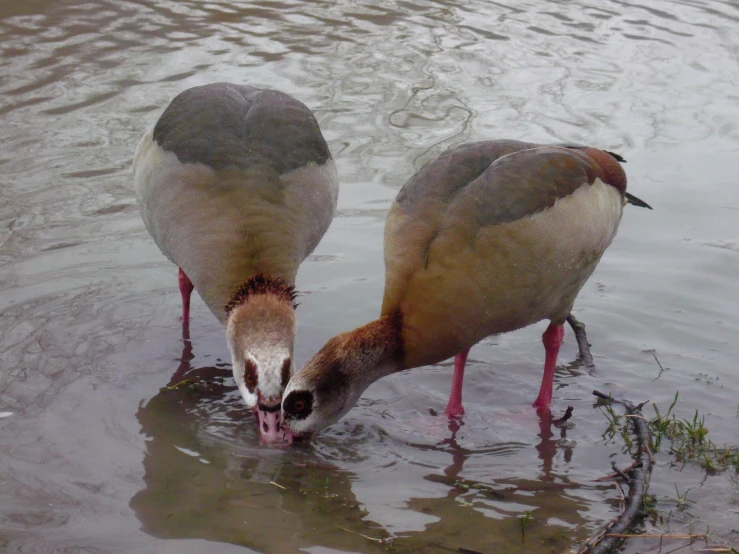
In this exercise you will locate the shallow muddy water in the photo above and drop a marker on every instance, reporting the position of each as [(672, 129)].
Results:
[(100, 452)]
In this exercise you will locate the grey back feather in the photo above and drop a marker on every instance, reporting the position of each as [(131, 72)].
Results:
[(498, 181), (223, 125)]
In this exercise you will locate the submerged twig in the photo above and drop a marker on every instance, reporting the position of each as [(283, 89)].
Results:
[(381, 541), (622, 496), (681, 536), (567, 415), (661, 369), (582, 340), (637, 476), (619, 472)]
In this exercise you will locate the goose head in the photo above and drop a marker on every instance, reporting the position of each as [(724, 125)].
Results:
[(333, 380), (260, 333), (323, 391)]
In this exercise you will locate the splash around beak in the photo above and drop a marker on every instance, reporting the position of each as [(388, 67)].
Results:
[(271, 429)]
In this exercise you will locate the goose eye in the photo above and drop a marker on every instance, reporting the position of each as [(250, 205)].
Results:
[(298, 405)]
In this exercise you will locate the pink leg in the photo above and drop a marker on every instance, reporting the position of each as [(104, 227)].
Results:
[(552, 339), (454, 407), (186, 289)]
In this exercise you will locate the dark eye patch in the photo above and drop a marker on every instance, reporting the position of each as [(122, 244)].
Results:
[(286, 365), (298, 404), (250, 375)]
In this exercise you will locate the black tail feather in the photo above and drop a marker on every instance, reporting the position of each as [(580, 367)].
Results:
[(631, 199), (615, 156)]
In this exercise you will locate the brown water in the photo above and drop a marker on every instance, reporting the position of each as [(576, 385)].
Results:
[(97, 455)]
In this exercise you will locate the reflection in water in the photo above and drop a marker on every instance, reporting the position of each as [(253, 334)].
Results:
[(204, 480), (555, 512), (269, 499)]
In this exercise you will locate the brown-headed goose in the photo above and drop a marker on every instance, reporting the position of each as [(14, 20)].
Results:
[(488, 238), (237, 186)]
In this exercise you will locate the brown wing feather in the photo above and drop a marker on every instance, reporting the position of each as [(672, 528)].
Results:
[(469, 188)]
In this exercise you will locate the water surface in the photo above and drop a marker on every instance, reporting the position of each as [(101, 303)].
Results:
[(103, 453)]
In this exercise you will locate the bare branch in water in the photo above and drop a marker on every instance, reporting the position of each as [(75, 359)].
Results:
[(661, 369), (565, 417), (582, 341), (610, 538)]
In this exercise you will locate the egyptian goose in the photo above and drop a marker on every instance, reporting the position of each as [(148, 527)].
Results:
[(488, 238), (237, 186)]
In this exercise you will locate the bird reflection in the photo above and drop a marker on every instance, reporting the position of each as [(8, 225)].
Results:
[(207, 476), (497, 502), (186, 357)]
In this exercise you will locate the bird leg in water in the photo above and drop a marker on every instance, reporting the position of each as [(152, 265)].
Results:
[(186, 288), (552, 339), (454, 407), (585, 357)]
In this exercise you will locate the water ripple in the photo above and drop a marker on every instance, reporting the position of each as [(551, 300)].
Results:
[(89, 335)]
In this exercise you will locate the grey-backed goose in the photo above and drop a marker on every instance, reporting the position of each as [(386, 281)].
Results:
[(237, 186)]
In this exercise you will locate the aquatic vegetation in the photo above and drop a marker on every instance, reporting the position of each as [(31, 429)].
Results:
[(688, 438), (686, 441), (689, 441), (524, 520), (681, 499)]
